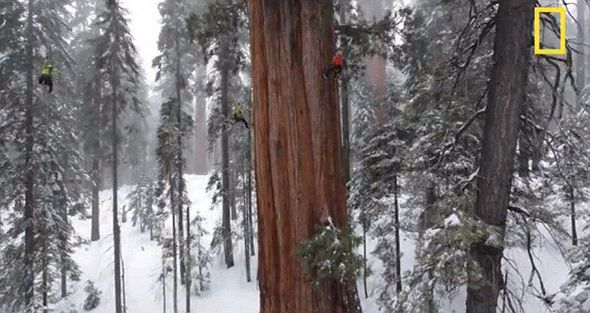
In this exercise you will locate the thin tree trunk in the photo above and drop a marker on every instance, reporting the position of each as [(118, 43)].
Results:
[(185, 259), (174, 247), (299, 177), (507, 92), (29, 262), (226, 224), (398, 254), (164, 285), (115, 164), (95, 228), (365, 268), (245, 220), (63, 240), (116, 229), (124, 304), (189, 278), (45, 264), (249, 189), (572, 199), (179, 161), (96, 171)]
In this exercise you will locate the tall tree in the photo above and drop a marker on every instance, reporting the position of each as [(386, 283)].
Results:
[(506, 95), (176, 64), (37, 132), (118, 69), (298, 150), (217, 31), (89, 91)]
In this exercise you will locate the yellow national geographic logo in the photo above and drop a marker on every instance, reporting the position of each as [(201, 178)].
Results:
[(562, 32)]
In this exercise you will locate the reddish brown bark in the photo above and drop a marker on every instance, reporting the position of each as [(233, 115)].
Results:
[(297, 144), (377, 75)]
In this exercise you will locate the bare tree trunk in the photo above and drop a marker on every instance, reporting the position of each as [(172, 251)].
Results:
[(249, 188), (398, 254), (29, 262), (226, 205), (507, 92), (245, 217), (95, 228), (189, 278), (164, 270), (45, 275), (116, 229), (63, 210), (299, 176), (365, 267), (123, 290), (96, 172), (174, 247), (572, 199)]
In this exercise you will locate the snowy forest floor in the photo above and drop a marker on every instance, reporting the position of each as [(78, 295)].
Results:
[(229, 292), (142, 258)]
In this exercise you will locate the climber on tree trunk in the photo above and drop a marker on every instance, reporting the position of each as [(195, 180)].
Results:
[(335, 67), (46, 77), (239, 116)]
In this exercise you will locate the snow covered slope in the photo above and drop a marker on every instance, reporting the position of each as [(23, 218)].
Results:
[(229, 292), (142, 261)]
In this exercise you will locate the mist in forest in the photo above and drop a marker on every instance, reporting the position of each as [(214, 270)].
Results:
[(328, 156)]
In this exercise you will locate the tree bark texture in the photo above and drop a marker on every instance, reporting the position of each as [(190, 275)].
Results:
[(299, 175), (512, 50)]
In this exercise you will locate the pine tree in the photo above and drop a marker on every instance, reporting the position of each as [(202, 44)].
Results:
[(117, 67), (142, 201), (89, 92), (38, 181), (221, 39), (176, 65)]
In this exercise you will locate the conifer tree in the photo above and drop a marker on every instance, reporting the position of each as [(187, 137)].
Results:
[(117, 69)]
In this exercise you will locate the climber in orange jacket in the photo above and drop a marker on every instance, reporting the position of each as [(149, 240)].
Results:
[(335, 67)]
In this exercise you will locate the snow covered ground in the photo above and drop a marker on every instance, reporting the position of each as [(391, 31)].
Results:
[(229, 292), (142, 261)]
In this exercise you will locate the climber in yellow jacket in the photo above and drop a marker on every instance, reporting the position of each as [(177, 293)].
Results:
[(46, 77), (239, 116)]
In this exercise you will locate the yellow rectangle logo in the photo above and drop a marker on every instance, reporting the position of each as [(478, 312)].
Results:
[(562, 30)]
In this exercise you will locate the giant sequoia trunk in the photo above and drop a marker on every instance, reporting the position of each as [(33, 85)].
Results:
[(512, 49), (299, 175)]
